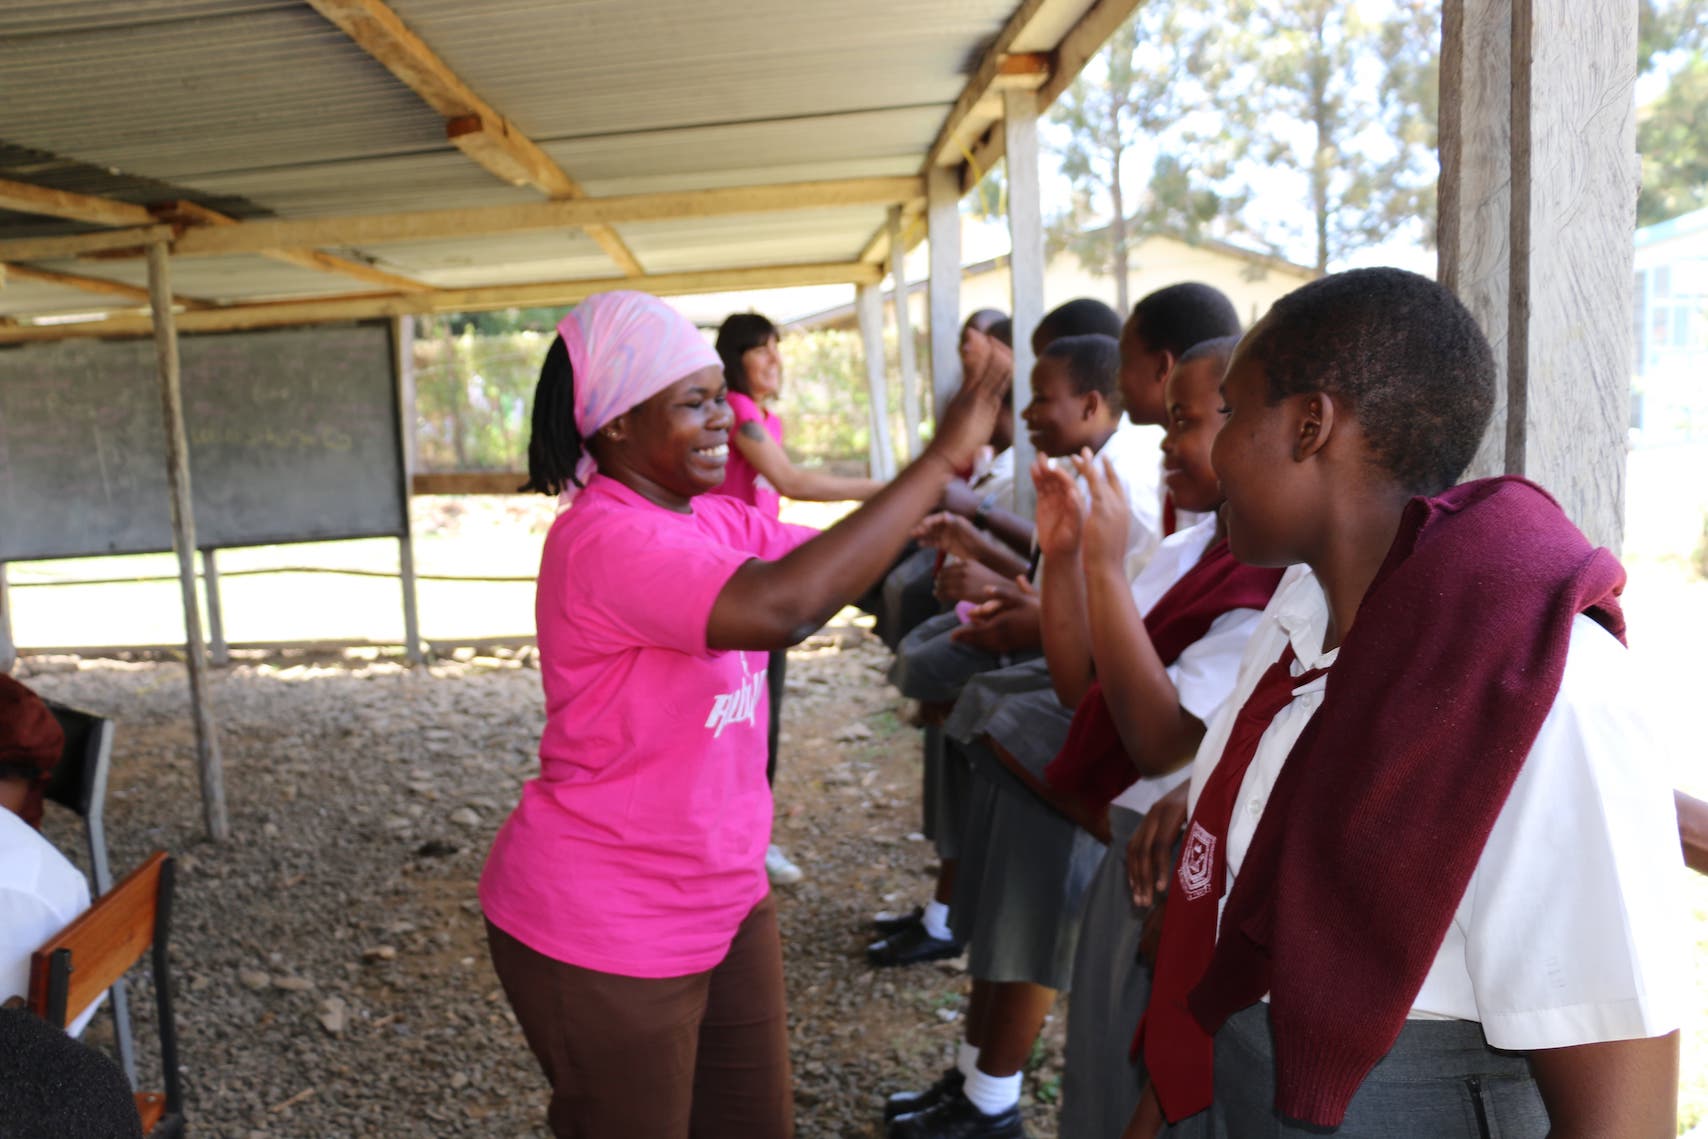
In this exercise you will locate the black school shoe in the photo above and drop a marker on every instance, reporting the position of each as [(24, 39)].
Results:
[(957, 1118), (905, 1103), (887, 924), (911, 945)]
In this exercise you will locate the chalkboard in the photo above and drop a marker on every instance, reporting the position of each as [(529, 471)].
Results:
[(293, 438)]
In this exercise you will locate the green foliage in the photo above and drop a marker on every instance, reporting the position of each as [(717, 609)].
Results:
[(824, 405), (1674, 146), (1348, 102), (1139, 88), (474, 393)]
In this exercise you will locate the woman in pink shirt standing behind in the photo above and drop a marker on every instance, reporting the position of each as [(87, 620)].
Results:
[(759, 473), (628, 913)]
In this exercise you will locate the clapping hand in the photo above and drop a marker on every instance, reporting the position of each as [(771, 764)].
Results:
[(1109, 518), (1060, 510)]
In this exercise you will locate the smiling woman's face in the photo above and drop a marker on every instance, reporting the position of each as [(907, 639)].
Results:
[(763, 364), (677, 441)]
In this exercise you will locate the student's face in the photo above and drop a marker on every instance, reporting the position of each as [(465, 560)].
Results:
[(1059, 420), (678, 441), (763, 364), (1268, 508), (1142, 371), (1195, 418)]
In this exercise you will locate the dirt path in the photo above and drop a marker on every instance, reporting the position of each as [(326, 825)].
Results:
[(331, 964)]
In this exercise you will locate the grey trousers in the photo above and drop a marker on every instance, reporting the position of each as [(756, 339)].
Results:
[(1439, 1081)]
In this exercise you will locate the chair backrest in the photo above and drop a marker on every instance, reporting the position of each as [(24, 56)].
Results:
[(80, 962), (79, 782)]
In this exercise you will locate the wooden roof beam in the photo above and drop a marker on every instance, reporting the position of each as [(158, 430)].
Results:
[(471, 124), (193, 213), (29, 199), (427, 225), (368, 305), (134, 293)]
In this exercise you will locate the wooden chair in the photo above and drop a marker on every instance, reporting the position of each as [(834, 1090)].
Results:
[(84, 959), (79, 784)]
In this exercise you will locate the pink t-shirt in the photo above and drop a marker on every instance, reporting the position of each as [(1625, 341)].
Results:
[(640, 847), (741, 481)]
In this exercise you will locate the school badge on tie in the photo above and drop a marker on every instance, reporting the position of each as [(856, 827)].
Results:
[(1197, 862)]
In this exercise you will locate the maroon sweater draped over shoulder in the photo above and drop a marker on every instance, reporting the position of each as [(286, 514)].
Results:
[(1093, 762), (1383, 808)]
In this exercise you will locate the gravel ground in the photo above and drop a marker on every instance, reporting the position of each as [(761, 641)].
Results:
[(329, 961)]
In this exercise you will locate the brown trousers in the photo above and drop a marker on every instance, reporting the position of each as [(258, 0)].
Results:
[(699, 1057)]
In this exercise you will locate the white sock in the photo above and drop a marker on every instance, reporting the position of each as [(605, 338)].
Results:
[(992, 1095), (967, 1059), (936, 920)]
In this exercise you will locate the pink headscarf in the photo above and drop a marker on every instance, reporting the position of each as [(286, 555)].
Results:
[(625, 348)]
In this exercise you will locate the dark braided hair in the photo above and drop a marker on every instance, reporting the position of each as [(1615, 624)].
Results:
[(555, 445)]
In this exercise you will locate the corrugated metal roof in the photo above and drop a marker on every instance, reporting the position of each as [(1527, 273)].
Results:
[(263, 107), (601, 67)]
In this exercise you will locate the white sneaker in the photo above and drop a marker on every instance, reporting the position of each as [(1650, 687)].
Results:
[(779, 869)]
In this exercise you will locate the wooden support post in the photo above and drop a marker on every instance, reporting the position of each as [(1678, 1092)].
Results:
[(218, 653), (208, 761), (403, 349), (1538, 201), (943, 221), (904, 335), (943, 187), (869, 308), (1026, 266), (8, 650)]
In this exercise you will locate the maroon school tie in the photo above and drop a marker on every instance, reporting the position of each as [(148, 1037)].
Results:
[(1179, 1054)]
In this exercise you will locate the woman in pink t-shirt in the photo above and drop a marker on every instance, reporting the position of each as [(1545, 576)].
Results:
[(628, 913), (758, 473)]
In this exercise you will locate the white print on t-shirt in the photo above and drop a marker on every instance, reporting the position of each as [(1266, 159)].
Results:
[(1197, 862), (739, 706)]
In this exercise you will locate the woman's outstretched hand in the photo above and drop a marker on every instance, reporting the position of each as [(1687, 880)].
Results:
[(970, 416), (1060, 510)]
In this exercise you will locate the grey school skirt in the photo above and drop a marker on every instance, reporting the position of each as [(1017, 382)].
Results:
[(1440, 1080), (1017, 707), (948, 786), (1100, 1086), (1022, 880)]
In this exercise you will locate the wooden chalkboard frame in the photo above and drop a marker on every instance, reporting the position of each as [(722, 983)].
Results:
[(376, 513)]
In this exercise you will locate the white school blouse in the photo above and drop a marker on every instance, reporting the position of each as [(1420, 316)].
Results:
[(1570, 929), (1132, 452), (40, 892), (1205, 672)]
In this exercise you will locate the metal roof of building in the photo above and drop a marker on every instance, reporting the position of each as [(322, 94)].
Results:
[(278, 109)]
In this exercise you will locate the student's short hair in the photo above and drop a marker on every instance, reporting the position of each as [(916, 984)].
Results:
[(1093, 363), (1082, 317), (984, 318), (1176, 317), (739, 332), (1402, 351), (1002, 330), (1221, 350)]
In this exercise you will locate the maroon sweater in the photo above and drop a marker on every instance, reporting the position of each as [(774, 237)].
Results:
[(1093, 762), (1383, 808)]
